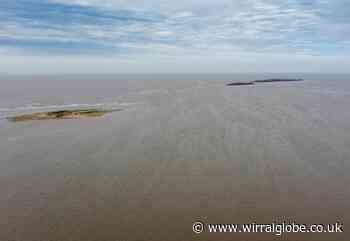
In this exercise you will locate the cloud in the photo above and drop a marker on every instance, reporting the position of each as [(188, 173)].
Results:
[(112, 28)]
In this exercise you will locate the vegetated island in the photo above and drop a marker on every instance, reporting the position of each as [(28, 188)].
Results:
[(62, 114), (241, 83), (261, 81), (277, 80)]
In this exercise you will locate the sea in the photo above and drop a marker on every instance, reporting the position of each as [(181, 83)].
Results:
[(185, 148)]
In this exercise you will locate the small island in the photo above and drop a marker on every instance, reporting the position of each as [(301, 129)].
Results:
[(277, 80), (241, 83), (238, 83), (62, 114)]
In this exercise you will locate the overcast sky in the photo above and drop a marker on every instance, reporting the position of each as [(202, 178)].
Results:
[(113, 36)]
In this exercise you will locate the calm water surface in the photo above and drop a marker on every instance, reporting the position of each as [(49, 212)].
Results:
[(184, 148)]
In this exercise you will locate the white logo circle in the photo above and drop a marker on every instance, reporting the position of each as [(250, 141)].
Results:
[(198, 227)]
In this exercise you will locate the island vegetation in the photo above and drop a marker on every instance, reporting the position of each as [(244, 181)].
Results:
[(277, 80), (241, 83), (62, 114), (261, 81)]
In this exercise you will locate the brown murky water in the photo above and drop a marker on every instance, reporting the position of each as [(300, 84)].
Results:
[(180, 151)]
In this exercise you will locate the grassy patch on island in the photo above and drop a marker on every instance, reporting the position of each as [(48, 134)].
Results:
[(62, 114)]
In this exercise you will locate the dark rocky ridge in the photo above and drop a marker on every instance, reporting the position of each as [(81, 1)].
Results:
[(238, 83), (277, 80)]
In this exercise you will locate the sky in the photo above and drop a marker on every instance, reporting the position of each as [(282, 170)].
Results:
[(136, 36)]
